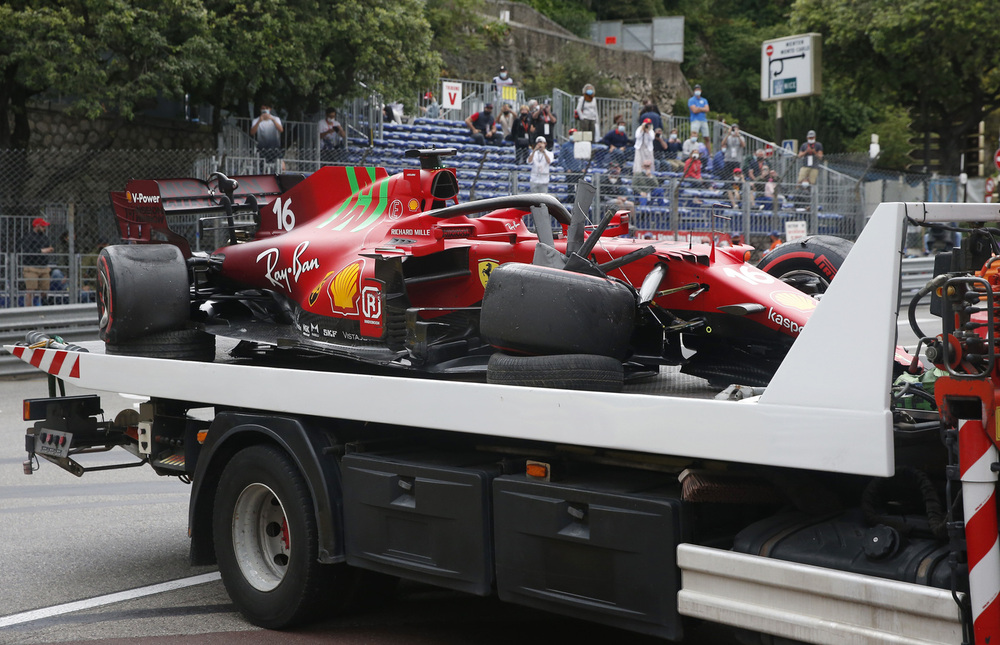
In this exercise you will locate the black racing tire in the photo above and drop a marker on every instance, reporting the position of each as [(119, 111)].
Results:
[(539, 310), (809, 264), (267, 542), (563, 371), (141, 289), (178, 344)]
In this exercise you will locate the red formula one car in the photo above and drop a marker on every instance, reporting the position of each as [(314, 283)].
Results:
[(392, 271)]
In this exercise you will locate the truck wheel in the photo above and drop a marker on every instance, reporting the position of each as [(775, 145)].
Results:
[(565, 371), (179, 344), (266, 541), (141, 289), (540, 310), (808, 264)]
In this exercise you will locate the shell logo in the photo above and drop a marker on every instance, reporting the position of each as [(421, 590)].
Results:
[(128, 196), (345, 286), (799, 301), (413, 204)]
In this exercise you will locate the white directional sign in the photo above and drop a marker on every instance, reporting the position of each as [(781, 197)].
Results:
[(791, 67)]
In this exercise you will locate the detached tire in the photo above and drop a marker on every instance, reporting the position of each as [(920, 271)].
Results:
[(267, 541), (809, 264), (179, 344), (539, 310), (563, 371), (142, 289)]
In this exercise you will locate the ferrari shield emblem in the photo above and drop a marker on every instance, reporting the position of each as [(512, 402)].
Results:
[(485, 269)]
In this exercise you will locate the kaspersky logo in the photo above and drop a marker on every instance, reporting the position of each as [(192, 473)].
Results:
[(139, 198)]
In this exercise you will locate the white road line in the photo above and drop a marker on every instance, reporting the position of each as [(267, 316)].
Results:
[(121, 596)]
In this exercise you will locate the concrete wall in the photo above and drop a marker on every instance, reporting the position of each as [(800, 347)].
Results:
[(54, 127)]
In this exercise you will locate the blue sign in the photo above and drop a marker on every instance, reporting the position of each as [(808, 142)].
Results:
[(785, 86), (790, 144)]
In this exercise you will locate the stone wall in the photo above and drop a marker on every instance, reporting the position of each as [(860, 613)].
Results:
[(533, 38), (53, 127)]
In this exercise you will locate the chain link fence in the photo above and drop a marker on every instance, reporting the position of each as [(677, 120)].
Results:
[(69, 189)]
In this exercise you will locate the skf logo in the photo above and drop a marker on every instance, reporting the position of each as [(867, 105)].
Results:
[(345, 286), (139, 198), (799, 301), (486, 269)]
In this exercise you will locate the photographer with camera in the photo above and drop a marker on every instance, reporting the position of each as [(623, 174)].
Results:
[(540, 160), (267, 129), (644, 136), (811, 153)]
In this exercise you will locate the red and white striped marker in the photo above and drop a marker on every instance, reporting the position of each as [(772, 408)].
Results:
[(57, 362), (976, 453)]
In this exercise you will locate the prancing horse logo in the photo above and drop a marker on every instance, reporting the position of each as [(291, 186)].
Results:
[(485, 269)]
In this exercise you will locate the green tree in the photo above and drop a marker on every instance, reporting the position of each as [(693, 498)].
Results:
[(936, 63)]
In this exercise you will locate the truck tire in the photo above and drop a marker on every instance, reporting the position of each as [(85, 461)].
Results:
[(179, 344), (266, 541), (141, 289), (809, 264), (565, 371), (539, 310)]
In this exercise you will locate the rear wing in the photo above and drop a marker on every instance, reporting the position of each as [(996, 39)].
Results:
[(141, 210)]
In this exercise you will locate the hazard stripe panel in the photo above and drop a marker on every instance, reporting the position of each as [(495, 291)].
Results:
[(57, 362)]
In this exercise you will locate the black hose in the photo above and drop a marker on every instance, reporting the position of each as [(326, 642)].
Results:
[(907, 476), (911, 312)]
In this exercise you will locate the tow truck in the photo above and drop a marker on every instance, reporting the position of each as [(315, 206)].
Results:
[(844, 503)]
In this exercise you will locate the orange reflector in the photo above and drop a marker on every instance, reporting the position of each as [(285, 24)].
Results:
[(537, 469), (746, 256), (201, 435), (27, 411)]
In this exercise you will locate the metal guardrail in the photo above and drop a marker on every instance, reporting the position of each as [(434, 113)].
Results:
[(73, 323), (915, 274)]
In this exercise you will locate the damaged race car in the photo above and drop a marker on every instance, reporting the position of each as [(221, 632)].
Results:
[(392, 272)]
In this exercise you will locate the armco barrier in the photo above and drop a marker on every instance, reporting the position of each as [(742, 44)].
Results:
[(72, 323)]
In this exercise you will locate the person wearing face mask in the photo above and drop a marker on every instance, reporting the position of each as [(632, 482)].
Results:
[(501, 80), (665, 160), (520, 134), (698, 109), (586, 111), (483, 127), (331, 134), (506, 119), (690, 145), (811, 153), (675, 147), (692, 167), (617, 141)]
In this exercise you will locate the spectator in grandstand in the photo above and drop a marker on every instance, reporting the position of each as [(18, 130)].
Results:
[(35, 266), (644, 136), (811, 153), (331, 134), (433, 109), (775, 238), (643, 182), (771, 185), (732, 148), (698, 109), (755, 166), (540, 160), (652, 112), (520, 134), (735, 191), (501, 80), (690, 145), (506, 119), (544, 123), (616, 140), (692, 167), (586, 112), (267, 129), (665, 160), (675, 148), (482, 126)]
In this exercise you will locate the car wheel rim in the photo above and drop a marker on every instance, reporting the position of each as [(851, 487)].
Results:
[(806, 281), (260, 537), (103, 299)]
